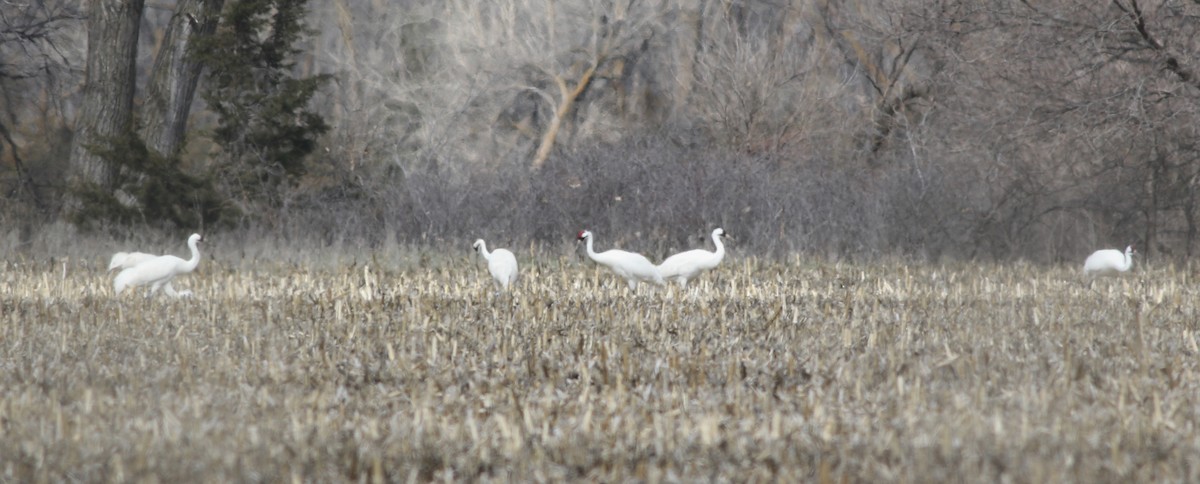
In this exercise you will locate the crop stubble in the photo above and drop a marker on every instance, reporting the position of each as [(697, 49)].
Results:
[(763, 369)]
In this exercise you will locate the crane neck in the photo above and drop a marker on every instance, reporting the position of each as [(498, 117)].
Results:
[(483, 250), (195, 259), (720, 245), (591, 252)]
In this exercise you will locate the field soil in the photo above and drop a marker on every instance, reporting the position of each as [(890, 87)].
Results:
[(791, 371)]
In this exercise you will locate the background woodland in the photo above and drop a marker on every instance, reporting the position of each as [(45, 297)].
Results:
[(993, 129)]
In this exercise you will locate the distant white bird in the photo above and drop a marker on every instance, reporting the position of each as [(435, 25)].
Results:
[(687, 265), (633, 267), (1109, 262), (158, 272), (125, 260), (501, 263)]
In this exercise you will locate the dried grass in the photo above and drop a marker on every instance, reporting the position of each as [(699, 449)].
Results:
[(796, 371)]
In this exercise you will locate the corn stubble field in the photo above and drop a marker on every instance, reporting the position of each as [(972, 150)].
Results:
[(795, 370)]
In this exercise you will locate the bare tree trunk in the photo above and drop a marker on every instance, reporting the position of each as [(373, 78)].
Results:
[(173, 80), (350, 90), (568, 96), (1157, 173), (107, 107), (689, 45)]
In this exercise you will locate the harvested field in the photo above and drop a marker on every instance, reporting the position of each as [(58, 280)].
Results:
[(800, 371)]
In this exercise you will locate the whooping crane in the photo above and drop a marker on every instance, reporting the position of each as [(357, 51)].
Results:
[(633, 267), (125, 260), (501, 263), (1109, 262), (158, 272), (687, 265)]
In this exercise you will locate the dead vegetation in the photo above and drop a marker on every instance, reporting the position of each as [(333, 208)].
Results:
[(797, 371)]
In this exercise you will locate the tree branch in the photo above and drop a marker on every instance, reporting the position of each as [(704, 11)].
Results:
[(1182, 71)]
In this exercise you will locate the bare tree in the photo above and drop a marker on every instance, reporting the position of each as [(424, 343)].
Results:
[(107, 109), (34, 53), (555, 51), (1162, 37), (884, 55), (477, 82), (31, 38), (1130, 103), (760, 82), (175, 75)]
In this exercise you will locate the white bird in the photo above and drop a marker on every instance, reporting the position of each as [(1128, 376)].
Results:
[(633, 267), (158, 272), (687, 265), (1109, 262), (501, 263), (125, 260)]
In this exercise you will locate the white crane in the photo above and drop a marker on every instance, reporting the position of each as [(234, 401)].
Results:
[(687, 265), (1109, 262), (501, 263), (633, 267), (158, 272), (125, 260)]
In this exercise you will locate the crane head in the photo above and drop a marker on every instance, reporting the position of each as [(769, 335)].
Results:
[(583, 235), (717, 232), (478, 243)]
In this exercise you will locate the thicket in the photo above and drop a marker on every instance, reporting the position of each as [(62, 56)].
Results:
[(655, 194), (149, 190)]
